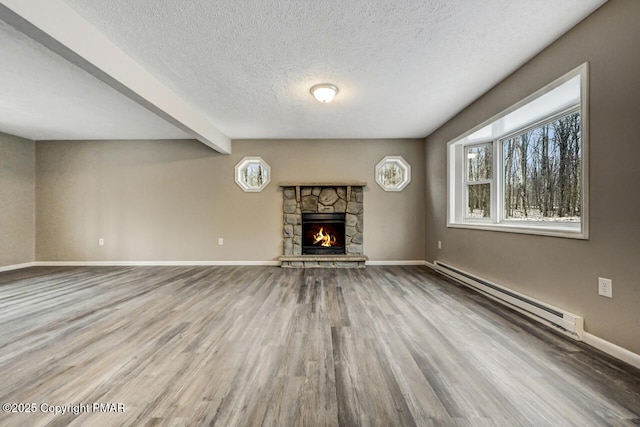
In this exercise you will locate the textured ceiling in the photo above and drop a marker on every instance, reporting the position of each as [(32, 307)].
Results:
[(403, 67)]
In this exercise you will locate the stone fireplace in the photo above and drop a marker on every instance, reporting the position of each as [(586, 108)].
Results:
[(323, 225)]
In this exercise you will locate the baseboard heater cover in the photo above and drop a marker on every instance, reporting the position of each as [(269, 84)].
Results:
[(568, 323)]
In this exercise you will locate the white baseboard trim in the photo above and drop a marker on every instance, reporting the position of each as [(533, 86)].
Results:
[(151, 263), (396, 262), (17, 266), (614, 350), (184, 263)]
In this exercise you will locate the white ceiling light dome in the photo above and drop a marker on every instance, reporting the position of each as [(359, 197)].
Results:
[(324, 92)]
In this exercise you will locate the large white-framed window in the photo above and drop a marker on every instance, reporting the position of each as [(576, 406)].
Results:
[(526, 169)]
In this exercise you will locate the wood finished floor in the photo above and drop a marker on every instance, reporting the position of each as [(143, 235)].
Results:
[(249, 346)]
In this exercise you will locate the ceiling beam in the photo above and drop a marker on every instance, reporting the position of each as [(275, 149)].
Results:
[(58, 27)]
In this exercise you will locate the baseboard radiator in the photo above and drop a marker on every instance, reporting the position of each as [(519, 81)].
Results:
[(568, 323)]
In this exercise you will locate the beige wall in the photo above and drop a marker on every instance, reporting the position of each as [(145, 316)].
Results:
[(17, 198), (560, 271), (172, 200)]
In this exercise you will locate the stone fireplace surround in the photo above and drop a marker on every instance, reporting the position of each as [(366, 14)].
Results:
[(315, 197)]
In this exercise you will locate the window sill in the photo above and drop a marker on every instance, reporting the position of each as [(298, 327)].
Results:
[(569, 231)]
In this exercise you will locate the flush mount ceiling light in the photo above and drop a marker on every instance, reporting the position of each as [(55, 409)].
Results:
[(324, 92)]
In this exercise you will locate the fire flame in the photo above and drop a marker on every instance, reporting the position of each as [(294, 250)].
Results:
[(324, 239)]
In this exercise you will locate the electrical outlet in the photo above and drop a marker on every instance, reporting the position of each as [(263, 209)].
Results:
[(101, 242), (220, 241), (605, 287), (439, 244)]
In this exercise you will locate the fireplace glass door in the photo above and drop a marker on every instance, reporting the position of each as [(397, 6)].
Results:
[(323, 233)]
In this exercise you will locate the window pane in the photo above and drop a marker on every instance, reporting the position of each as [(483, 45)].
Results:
[(479, 162), (542, 172), (479, 196)]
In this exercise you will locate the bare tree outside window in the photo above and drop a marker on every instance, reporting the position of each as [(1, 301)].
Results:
[(542, 172), (479, 173)]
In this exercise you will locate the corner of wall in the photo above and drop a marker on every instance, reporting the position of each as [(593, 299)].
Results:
[(17, 184)]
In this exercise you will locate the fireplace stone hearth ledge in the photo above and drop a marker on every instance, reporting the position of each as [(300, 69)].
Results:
[(323, 261), (317, 197)]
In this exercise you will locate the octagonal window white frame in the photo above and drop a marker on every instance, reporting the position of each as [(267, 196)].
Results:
[(393, 173), (252, 174)]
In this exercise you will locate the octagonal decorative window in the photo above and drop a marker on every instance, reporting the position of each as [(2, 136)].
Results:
[(393, 173), (252, 174)]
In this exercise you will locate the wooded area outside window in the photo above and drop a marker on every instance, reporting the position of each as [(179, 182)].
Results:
[(525, 170), (479, 179)]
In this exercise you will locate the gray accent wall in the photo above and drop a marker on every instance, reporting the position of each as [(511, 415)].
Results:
[(172, 200), (564, 272), (17, 200)]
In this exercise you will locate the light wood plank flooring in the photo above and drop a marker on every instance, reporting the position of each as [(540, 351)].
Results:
[(252, 346)]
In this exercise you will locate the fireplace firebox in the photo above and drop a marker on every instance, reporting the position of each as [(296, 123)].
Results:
[(323, 233)]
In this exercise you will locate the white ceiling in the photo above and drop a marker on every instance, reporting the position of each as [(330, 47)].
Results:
[(43, 96), (403, 67)]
